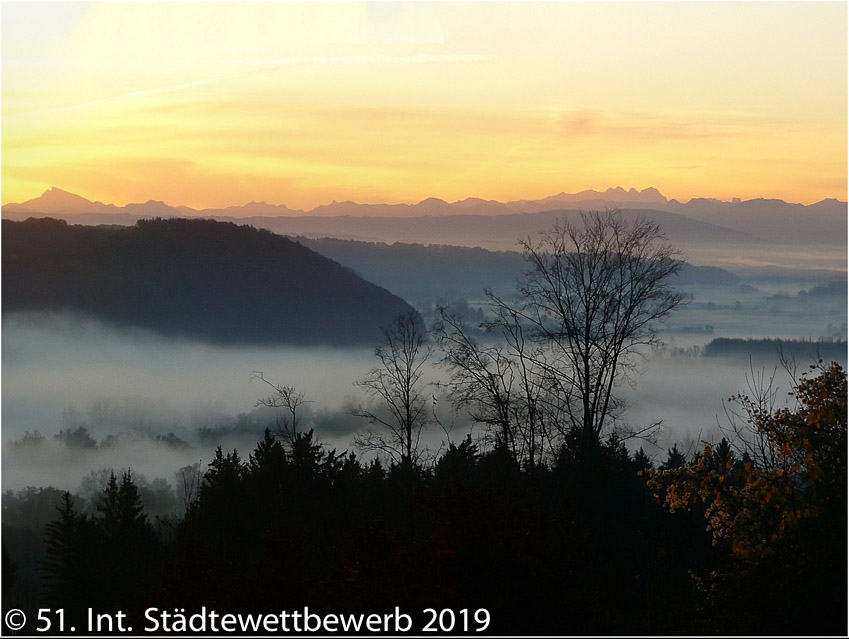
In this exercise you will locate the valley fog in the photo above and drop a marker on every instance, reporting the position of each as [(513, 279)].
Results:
[(62, 372), (156, 405)]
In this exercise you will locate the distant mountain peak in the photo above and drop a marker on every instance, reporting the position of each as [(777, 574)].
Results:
[(55, 200), (705, 199), (652, 192), (614, 195), (56, 189), (433, 200), (55, 194)]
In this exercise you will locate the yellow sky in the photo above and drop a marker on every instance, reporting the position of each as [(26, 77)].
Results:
[(216, 104)]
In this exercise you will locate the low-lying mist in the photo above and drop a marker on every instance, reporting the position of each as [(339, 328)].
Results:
[(156, 405), (61, 371)]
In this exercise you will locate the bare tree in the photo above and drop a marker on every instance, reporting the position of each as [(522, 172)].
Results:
[(398, 413), (592, 299), (283, 397), (496, 381), (188, 480), (481, 376)]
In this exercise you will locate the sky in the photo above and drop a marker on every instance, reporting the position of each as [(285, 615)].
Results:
[(217, 104)]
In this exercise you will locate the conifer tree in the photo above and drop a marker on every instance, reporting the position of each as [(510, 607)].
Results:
[(70, 542)]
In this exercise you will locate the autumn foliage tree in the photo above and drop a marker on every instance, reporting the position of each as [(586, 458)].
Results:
[(776, 510)]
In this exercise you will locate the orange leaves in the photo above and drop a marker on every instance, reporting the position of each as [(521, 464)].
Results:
[(758, 504)]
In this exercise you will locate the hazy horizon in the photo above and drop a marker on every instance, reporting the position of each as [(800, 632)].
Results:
[(596, 194)]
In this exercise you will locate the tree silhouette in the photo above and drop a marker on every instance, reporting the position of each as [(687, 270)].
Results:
[(269, 457), (120, 507), (548, 372), (283, 397), (499, 383), (188, 480), (76, 438), (674, 458), (69, 564), (125, 563), (592, 298), (398, 387)]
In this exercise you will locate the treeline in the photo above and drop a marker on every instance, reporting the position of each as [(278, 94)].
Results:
[(295, 524), (80, 438), (747, 536), (796, 348), (832, 289)]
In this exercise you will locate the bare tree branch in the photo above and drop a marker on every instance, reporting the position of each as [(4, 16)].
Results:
[(284, 397)]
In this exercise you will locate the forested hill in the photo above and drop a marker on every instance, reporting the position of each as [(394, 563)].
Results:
[(195, 278)]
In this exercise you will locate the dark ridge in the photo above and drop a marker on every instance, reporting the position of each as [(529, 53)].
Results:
[(418, 271), (194, 278)]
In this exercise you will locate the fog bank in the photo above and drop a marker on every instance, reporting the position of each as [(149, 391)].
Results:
[(156, 404)]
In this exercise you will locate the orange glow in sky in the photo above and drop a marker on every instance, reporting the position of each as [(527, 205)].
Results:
[(217, 104)]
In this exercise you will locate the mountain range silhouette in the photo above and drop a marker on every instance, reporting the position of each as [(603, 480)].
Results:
[(770, 219)]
